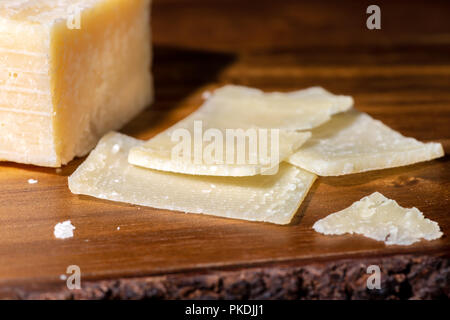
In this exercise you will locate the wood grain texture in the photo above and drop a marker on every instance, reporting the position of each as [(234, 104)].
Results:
[(399, 75)]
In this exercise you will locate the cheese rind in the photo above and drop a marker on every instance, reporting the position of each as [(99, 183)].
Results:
[(354, 142), (237, 107), (61, 89), (382, 219), (106, 174)]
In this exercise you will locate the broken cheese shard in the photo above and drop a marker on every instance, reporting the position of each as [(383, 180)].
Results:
[(106, 174), (63, 84), (354, 142), (382, 219), (240, 108)]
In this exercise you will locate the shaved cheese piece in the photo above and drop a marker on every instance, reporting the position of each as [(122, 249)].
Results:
[(354, 142), (158, 152), (106, 174), (382, 219), (298, 110), (248, 110)]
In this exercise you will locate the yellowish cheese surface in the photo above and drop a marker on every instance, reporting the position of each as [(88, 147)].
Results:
[(62, 88), (106, 174), (354, 142)]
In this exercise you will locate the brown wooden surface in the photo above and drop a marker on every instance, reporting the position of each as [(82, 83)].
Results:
[(400, 75)]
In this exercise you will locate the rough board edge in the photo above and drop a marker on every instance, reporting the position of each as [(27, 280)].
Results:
[(409, 276)]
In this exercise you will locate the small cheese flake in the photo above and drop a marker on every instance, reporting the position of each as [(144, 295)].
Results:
[(64, 230), (118, 228), (63, 277), (382, 219), (206, 95), (32, 181)]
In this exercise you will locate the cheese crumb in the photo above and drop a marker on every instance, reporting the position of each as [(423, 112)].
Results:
[(382, 219), (206, 95), (32, 181), (63, 277), (64, 230), (118, 228)]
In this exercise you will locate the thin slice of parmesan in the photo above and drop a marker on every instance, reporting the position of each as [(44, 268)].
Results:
[(257, 114), (382, 219), (354, 142), (254, 152), (244, 107), (106, 174)]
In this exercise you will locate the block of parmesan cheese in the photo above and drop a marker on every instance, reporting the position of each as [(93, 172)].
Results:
[(354, 142), (70, 71), (382, 219), (236, 107), (106, 174)]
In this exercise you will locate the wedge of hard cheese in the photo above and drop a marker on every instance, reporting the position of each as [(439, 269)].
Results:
[(106, 174), (246, 119), (354, 142), (382, 219), (70, 71)]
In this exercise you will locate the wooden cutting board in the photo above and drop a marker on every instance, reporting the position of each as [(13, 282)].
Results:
[(399, 75)]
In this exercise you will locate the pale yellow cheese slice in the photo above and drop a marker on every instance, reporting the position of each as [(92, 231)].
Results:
[(106, 174), (298, 110), (158, 153), (70, 71), (237, 107), (354, 142), (382, 219)]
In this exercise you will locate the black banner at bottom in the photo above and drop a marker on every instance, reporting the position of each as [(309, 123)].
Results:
[(199, 310)]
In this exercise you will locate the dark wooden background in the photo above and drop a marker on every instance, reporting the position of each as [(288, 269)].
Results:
[(399, 74)]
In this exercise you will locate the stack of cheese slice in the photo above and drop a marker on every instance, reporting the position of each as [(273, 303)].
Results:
[(318, 133), (106, 174), (146, 173)]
